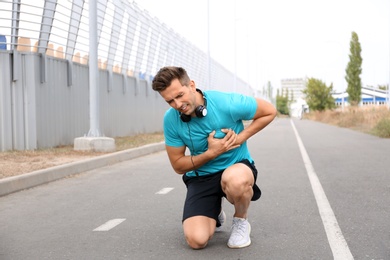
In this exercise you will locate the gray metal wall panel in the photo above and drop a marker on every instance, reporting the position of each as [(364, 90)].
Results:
[(62, 112), (29, 102), (5, 102), (17, 111), (52, 114), (80, 100)]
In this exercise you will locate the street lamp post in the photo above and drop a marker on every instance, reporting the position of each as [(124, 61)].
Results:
[(93, 72), (208, 47), (235, 47), (94, 141)]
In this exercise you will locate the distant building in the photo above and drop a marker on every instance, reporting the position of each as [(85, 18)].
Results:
[(298, 105), (370, 96), (294, 87)]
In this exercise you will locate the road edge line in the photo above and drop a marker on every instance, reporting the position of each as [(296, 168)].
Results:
[(336, 240)]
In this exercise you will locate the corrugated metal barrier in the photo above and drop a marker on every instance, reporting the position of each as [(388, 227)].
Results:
[(44, 100)]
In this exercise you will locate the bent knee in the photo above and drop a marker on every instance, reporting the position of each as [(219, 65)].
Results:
[(237, 187), (237, 178), (197, 241), (198, 230)]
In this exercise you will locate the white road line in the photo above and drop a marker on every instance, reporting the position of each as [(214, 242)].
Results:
[(164, 191), (110, 224), (336, 239)]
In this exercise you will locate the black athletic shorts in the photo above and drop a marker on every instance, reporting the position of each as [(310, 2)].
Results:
[(204, 194)]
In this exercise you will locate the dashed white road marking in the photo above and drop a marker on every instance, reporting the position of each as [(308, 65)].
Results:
[(110, 224), (336, 239), (164, 191)]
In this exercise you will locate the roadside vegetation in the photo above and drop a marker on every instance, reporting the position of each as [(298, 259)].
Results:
[(14, 163), (372, 120)]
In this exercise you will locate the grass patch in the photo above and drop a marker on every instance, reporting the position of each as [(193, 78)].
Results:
[(382, 129), (13, 163), (127, 142), (121, 143)]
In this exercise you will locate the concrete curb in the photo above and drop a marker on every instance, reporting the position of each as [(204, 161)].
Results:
[(29, 180)]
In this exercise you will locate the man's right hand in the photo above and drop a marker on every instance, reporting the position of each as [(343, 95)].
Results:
[(219, 146)]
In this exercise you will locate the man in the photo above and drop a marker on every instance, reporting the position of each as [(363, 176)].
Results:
[(219, 165)]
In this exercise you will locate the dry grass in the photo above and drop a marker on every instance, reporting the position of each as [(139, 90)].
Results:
[(14, 163), (363, 119)]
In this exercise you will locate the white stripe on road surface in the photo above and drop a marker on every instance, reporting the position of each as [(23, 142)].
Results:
[(110, 224), (164, 191), (336, 239)]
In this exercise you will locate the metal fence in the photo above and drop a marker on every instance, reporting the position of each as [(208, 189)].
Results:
[(44, 70)]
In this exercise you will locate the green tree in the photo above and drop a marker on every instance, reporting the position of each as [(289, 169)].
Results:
[(353, 70), (318, 95), (282, 102), (383, 87)]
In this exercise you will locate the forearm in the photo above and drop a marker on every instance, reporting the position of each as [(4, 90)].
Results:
[(192, 162), (254, 127)]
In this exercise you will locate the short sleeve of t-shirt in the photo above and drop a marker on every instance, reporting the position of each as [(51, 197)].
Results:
[(242, 107), (171, 128)]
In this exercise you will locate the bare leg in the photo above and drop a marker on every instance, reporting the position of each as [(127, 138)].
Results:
[(198, 231), (237, 182)]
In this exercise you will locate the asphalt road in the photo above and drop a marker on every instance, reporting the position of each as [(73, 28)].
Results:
[(141, 200)]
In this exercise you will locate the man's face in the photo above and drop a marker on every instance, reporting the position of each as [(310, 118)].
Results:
[(181, 98)]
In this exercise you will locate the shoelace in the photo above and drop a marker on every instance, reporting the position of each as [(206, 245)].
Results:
[(239, 227)]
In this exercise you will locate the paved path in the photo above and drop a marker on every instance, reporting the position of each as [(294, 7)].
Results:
[(132, 209)]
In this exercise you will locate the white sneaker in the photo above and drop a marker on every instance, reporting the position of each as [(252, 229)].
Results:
[(240, 236), (221, 219)]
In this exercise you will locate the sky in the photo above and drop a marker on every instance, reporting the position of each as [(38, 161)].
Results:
[(269, 40)]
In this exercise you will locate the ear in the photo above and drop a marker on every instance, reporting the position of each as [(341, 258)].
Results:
[(192, 85)]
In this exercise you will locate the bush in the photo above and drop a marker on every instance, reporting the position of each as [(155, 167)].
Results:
[(282, 105), (382, 128)]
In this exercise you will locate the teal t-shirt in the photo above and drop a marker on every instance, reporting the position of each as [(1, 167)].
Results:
[(224, 110)]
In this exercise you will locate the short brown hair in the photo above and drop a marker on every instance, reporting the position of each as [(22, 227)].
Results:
[(166, 75)]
